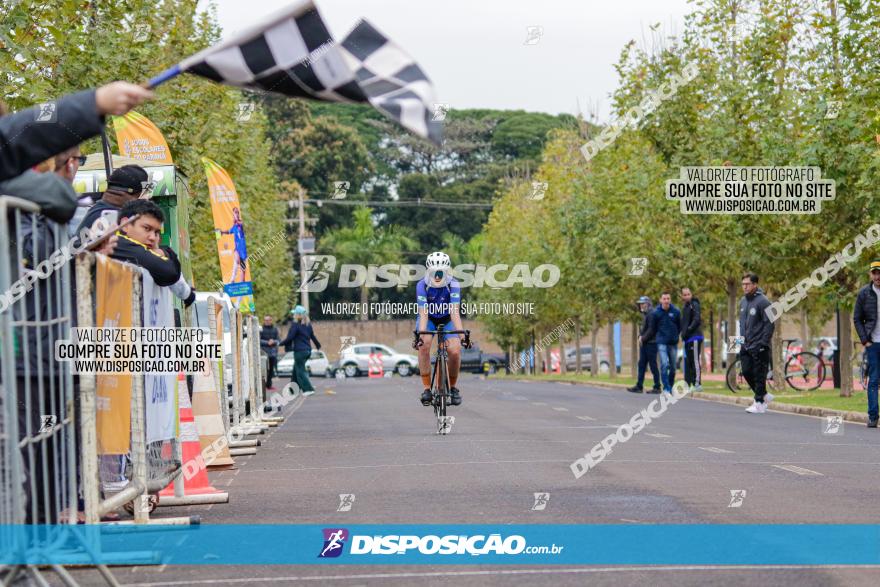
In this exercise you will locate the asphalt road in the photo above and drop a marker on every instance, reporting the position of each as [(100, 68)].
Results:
[(510, 440)]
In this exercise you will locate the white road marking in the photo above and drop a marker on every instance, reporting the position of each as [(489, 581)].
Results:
[(798, 470), (587, 418), (715, 449), (657, 435), (561, 409), (579, 570), (398, 465), (538, 404)]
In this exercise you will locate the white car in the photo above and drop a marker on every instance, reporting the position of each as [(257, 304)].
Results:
[(354, 360), (317, 365)]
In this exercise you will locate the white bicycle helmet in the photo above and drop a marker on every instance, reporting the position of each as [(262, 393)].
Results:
[(436, 263)]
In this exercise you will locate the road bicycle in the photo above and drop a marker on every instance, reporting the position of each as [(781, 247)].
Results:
[(804, 370), (440, 375)]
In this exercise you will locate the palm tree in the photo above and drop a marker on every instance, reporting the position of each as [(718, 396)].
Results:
[(365, 244)]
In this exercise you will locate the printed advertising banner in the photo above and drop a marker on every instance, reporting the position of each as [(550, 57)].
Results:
[(114, 293), (139, 138), (229, 230), (159, 388)]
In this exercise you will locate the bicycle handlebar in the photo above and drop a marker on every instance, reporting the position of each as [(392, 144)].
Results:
[(419, 332)]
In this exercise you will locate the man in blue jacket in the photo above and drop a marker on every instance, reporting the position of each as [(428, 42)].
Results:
[(667, 320)]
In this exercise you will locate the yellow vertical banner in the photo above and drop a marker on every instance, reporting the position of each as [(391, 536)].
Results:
[(114, 309), (229, 231), (138, 138)]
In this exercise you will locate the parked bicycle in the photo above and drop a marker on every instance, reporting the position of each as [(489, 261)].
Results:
[(804, 370), (440, 375)]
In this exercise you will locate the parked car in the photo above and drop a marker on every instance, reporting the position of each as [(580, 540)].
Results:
[(355, 360), (586, 359), (317, 365), (474, 360)]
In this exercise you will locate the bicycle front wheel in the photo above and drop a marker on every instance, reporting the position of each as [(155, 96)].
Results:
[(805, 371)]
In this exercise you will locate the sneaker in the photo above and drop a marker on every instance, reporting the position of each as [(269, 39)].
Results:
[(872, 423), (769, 397), (308, 393), (426, 397), (634, 389), (698, 387), (454, 397), (757, 408), (654, 390)]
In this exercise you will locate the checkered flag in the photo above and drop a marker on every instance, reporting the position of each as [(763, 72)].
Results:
[(292, 53)]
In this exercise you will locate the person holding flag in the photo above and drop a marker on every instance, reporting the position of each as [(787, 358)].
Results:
[(33, 135)]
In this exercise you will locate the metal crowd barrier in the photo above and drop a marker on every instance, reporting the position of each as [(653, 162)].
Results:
[(153, 466), (38, 401)]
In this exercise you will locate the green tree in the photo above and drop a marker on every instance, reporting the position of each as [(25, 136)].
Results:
[(365, 244)]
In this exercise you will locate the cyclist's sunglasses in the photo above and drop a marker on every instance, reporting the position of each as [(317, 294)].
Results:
[(81, 159), (439, 274)]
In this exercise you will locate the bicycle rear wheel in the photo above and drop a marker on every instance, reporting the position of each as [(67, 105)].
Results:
[(734, 377), (804, 371)]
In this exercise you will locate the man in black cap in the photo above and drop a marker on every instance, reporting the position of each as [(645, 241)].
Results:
[(647, 347), (126, 184)]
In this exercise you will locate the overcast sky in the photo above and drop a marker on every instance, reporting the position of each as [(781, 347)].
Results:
[(475, 53)]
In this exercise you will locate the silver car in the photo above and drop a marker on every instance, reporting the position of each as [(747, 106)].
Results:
[(317, 365), (355, 360), (586, 359)]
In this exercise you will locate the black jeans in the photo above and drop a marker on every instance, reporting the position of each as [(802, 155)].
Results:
[(755, 365), (270, 370), (648, 358), (693, 352)]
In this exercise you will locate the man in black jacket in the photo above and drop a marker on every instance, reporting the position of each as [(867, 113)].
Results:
[(126, 184), (139, 245), (692, 336), (31, 136), (647, 347), (868, 330), (269, 344), (757, 330)]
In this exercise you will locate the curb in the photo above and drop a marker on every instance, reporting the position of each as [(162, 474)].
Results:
[(743, 401)]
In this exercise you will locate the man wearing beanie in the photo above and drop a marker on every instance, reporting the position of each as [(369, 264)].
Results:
[(126, 184)]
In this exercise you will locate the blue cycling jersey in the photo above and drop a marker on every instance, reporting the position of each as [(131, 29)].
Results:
[(438, 299)]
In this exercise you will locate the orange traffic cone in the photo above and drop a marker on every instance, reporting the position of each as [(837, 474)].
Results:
[(194, 476)]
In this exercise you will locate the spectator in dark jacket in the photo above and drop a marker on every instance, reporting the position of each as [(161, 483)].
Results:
[(300, 336), (33, 135), (667, 319), (126, 184), (868, 330), (756, 329), (269, 344), (139, 245), (692, 337), (647, 347)]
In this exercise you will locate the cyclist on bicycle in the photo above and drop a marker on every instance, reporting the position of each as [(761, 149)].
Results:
[(438, 298)]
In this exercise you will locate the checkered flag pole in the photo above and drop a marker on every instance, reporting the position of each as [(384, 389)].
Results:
[(291, 52)]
